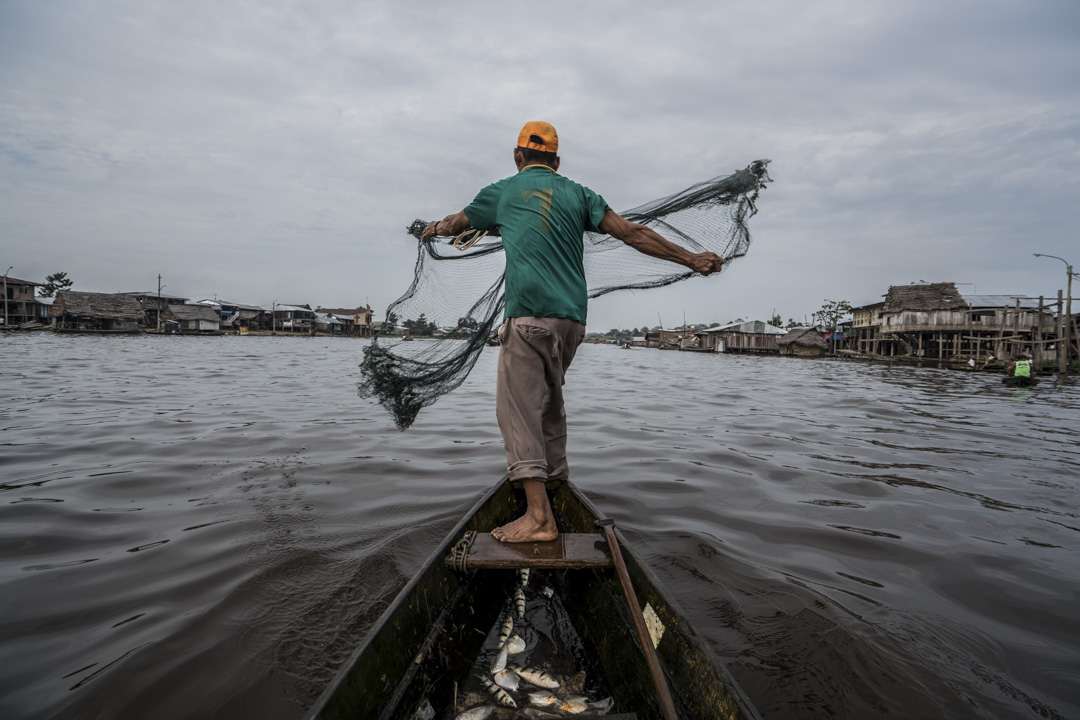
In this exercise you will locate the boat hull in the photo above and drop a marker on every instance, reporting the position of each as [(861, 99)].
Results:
[(425, 644)]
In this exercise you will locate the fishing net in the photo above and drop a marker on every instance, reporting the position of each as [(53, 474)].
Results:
[(455, 301)]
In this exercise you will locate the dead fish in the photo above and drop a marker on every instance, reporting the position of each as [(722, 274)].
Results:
[(602, 707), (515, 645), (500, 660), (539, 678), (523, 576), (519, 602), (477, 713), (574, 705), (548, 592), (543, 699), (498, 693), (536, 714), (505, 630), (507, 679)]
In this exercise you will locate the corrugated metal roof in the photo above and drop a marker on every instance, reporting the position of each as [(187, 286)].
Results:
[(150, 294), (759, 327), (239, 306), (1000, 301)]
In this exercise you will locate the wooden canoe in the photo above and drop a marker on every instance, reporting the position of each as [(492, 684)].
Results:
[(422, 650)]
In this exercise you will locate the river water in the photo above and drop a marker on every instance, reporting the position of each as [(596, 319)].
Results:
[(206, 527)]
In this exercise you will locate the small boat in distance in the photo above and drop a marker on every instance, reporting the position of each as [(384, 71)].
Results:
[(423, 651)]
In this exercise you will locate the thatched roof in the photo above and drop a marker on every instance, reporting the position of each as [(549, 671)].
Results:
[(807, 337), (191, 312), (929, 296), (96, 306)]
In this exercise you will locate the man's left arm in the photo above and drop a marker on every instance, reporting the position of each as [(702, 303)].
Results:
[(450, 225), (646, 240)]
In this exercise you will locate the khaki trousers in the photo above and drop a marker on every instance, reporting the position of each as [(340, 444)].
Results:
[(534, 355)]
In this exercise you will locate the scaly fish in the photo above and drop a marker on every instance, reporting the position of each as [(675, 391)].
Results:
[(573, 705), (519, 602), (536, 714), (523, 576), (602, 707), (500, 660), (543, 699), (477, 713), (539, 678), (508, 680), (498, 693), (505, 630), (515, 645)]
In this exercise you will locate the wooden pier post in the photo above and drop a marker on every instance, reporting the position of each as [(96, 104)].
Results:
[(1062, 343), (1037, 349)]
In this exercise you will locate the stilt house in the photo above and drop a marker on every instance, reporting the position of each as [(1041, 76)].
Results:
[(934, 320)]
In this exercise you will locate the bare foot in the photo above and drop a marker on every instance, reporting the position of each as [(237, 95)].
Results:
[(526, 529)]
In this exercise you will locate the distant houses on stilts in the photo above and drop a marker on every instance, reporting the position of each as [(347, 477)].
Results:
[(132, 312)]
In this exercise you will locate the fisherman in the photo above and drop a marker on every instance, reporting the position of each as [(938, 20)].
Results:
[(542, 218), (1020, 367)]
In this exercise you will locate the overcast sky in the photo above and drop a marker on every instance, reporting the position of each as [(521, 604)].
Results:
[(275, 151)]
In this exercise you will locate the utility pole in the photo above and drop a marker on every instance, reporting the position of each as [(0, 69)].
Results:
[(1070, 324), (158, 313), (273, 319), (5, 296)]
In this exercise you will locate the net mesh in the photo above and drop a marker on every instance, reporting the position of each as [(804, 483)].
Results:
[(455, 301)]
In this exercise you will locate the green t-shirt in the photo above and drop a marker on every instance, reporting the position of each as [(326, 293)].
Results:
[(542, 217)]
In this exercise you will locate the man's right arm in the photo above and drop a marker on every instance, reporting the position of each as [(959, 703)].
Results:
[(646, 240)]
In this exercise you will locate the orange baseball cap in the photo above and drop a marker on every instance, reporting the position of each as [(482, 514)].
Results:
[(539, 136)]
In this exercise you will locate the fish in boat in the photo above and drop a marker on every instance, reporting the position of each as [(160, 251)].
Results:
[(519, 602), (426, 643), (499, 662), (573, 705), (477, 713), (536, 713), (500, 695), (505, 630), (544, 699), (507, 680), (523, 577), (539, 678), (515, 645)]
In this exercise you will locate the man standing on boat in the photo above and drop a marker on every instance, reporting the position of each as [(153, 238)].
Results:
[(542, 218)]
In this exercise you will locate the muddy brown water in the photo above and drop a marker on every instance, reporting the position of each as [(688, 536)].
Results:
[(206, 527)]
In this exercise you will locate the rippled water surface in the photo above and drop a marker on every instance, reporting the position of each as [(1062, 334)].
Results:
[(206, 527)]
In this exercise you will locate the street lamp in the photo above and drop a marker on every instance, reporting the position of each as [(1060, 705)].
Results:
[(1070, 325), (5, 296)]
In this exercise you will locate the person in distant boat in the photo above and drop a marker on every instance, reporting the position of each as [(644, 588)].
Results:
[(1020, 367), (542, 218)]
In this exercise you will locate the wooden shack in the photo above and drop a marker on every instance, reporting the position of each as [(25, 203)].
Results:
[(73, 311), (934, 320), (803, 342), (750, 336), (192, 319)]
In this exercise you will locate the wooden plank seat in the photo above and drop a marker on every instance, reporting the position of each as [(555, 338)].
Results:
[(569, 551)]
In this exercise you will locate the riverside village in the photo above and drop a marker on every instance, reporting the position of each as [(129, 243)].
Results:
[(921, 323)]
